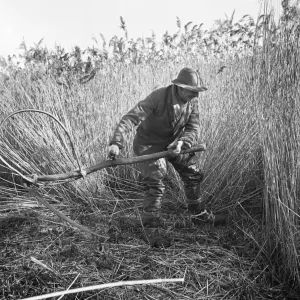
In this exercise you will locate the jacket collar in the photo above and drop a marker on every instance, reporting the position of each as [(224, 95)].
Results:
[(175, 97)]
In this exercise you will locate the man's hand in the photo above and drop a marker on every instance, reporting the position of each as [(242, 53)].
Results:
[(175, 148), (113, 151)]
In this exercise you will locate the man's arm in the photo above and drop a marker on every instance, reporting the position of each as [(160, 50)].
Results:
[(192, 127), (137, 114)]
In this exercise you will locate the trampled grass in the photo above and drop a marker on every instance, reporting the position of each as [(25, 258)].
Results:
[(40, 255)]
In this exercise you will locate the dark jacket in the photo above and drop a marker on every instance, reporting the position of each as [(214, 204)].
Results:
[(157, 126)]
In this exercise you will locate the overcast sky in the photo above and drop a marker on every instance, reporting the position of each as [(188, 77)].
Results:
[(74, 22)]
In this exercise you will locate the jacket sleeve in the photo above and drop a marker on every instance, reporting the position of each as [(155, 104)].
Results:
[(192, 127), (137, 114)]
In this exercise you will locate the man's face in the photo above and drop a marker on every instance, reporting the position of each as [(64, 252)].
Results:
[(186, 95)]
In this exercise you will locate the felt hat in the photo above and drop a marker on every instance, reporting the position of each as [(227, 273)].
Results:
[(189, 79)]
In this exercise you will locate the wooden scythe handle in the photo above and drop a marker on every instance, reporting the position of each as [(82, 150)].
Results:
[(110, 163)]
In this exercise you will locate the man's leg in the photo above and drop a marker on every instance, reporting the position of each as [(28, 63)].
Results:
[(192, 177), (152, 174)]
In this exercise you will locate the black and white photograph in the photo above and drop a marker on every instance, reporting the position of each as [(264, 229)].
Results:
[(149, 149)]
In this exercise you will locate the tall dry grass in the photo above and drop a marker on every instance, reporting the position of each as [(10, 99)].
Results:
[(277, 93)]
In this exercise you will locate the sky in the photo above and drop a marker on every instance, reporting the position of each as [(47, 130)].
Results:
[(74, 22)]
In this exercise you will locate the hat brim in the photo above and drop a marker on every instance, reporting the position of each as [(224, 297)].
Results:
[(191, 88)]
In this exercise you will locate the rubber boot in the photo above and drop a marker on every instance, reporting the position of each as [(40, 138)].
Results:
[(153, 232), (197, 208), (200, 215)]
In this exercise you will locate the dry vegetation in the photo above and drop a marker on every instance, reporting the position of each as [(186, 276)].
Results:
[(250, 123)]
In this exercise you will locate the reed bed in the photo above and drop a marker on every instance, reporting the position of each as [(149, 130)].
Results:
[(250, 123)]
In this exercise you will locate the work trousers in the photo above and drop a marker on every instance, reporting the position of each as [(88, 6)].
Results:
[(153, 172)]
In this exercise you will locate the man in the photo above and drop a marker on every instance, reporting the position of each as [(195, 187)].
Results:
[(167, 119)]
